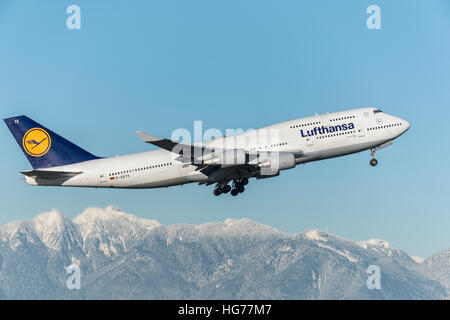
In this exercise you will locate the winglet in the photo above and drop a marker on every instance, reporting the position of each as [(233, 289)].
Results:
[(166, 144), (146, 137), (174, 146)]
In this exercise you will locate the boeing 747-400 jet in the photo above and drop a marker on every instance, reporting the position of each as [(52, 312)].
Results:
[(228, 162)]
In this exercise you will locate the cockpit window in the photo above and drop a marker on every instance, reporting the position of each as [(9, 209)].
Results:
[(377, 111)]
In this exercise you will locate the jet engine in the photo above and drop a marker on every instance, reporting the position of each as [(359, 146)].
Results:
[(226, 158), (272, 163)]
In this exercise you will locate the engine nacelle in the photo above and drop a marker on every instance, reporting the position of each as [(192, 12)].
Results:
[(272, 163), (226, 158)]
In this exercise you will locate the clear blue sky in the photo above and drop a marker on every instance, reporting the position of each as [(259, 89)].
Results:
[(160, 65)]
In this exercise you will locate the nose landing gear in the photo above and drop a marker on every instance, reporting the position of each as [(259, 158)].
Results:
[(373, 162)]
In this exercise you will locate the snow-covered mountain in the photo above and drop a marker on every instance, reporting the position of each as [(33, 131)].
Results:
[(438, 267), (122, 256)]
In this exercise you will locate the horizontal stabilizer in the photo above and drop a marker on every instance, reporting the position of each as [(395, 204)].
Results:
[(50, 175)]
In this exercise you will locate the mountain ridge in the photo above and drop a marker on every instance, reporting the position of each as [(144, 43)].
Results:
[(123, 256)]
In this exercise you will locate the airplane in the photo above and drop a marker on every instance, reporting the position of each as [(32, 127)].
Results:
[(228, 162)]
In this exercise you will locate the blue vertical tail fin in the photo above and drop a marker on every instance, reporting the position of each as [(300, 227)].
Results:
[(42, 147)]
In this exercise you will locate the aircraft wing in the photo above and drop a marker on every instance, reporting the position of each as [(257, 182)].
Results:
[(213, 162), (51, 175), (186, 151)]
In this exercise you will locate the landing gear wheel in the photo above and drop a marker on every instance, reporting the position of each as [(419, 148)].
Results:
[(226, 189), (234, 192), (217, 191), (374, 161), (244, 181), (239, 187)]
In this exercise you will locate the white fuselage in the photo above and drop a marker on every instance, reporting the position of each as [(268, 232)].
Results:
[(345, 132)]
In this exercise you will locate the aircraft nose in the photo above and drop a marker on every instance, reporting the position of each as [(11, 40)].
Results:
[(406, 124)]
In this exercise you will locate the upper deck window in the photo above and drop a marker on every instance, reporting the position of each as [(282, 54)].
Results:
[(377, 111)]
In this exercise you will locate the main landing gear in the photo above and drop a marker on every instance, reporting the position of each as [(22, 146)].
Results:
[(373, 162), (238, 187), (219, 190)]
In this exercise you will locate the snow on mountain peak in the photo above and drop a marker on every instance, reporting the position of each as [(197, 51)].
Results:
[(236, 222), (51, 218), (51, 227), (112, 229), (238, 228), (315, 235), (418, 259), (375, 243), (98, 215), (247, 226), (43, 221), (93, 214)]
